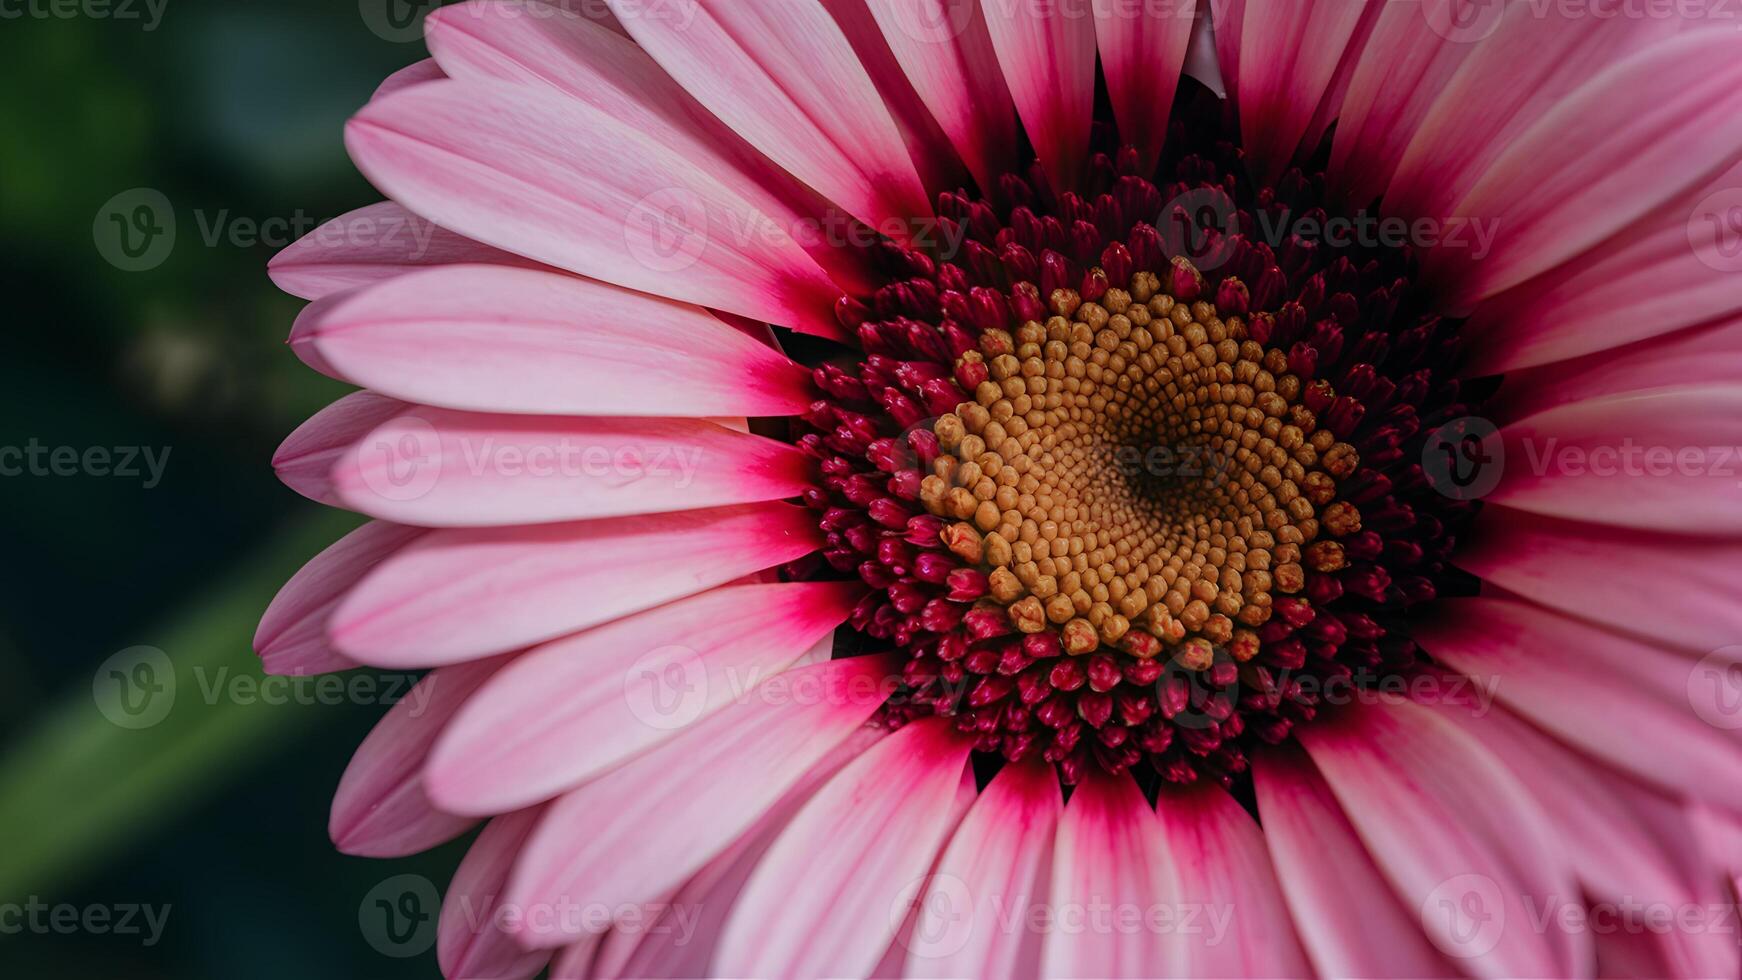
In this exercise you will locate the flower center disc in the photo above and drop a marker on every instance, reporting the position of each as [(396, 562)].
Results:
[(1138, 472)]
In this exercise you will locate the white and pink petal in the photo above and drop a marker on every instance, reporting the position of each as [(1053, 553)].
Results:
[(461, 594), (576, 708), (496, 339)]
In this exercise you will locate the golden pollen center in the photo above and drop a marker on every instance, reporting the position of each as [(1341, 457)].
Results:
[(1137, 472)]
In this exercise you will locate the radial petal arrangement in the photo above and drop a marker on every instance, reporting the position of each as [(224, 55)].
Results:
[(1032, 489)]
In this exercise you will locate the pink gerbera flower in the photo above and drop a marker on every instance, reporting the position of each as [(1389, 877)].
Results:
[(1255, 508)]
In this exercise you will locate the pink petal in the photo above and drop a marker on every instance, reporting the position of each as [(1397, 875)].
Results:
[(690, 798), (1201, 58), (562, 182), (1227, 22), (1572, 567), (1351, 922), (1659, 714), (1456, 835), (370, 244), (305, 460), (380, 808), (1653, 460), (1702, 355), (517, 340), (786, 79), (928, 146), (1330, 106), (682, 944), (441, 468), (1667, 273), (828, 896), (575, 961), (1220, 857), (1143, 50), (1402, 70), (292, 636), (1110, 856), (470, 941), (1636, 136), (1630, 845), (580, 706), (461, 594), (944, 48), (1047, 52), (1287, 63), (992, 869), (577, 57), (415, 73), (1519, 68)]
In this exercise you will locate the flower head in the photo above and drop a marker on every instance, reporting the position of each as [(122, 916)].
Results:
[(1041, 488)]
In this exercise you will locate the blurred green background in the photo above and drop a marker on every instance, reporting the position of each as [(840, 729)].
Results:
[(233, 112)]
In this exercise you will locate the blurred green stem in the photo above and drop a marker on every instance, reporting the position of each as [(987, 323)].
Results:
[(78, 788)]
